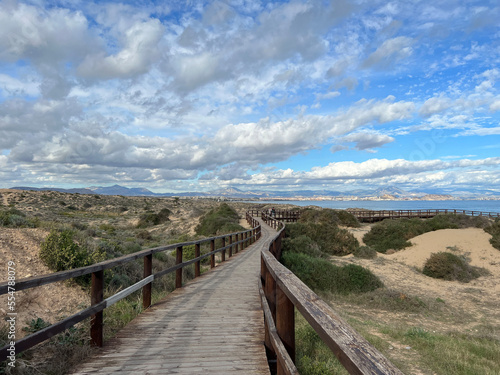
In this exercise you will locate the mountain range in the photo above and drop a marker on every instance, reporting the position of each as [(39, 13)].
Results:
[(385, 192)]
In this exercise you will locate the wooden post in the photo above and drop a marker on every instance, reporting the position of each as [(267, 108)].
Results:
[(285, 323), (146, 289), (197, 264), (230, 245), (223, 254), (96, 296), (178, 273), (212, 257), (237, 237), (241, 239)]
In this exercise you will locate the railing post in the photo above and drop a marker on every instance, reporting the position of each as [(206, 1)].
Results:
[(223, 254), (230, 245), (178, 273), (237, 236), (212, 257), (197, 264), (242, 236), (97, 292), (285, 323), (146, 289)]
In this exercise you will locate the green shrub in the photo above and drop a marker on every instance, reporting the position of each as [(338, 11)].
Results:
[(321, 275), (494, 230), (331, 239), (150, 218), (60, 252), (365, 252), (16, 219), (35, 325), (328, 216), (394, 234), (451, 267), (302, 244), (222, 219)]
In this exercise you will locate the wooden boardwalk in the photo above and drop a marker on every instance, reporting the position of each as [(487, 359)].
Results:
[(212, 325)]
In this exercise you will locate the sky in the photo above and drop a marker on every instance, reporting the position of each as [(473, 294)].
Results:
[(281, 95)]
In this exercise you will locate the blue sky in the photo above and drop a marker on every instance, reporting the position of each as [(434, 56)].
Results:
[(200, 95)]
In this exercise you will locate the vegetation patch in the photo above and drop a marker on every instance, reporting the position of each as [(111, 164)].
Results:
[(313, 356), (60, 252), (150, 218), (396, 233), (451, 267), (223, 219), (494, 230), (365, 252), (16, 219), (323, 276), (328, 216), (330, 239)]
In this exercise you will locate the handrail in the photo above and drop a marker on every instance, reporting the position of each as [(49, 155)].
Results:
[(282, 291), (392, 214), (242, 240)]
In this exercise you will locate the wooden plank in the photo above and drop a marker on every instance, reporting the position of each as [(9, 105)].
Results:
[(212, 325)]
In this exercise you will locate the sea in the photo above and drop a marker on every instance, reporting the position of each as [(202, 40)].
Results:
[(471, 205)]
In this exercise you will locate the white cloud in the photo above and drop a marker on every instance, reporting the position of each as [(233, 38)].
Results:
[(434, 105), (389, 52), (140, 50), (368, 140)]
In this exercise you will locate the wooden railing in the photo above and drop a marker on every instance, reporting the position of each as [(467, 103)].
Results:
[(281, 292), (363, 215), (235, 242), (281, 215)]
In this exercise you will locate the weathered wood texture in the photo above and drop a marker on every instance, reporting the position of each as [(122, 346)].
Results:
[(212, 325)]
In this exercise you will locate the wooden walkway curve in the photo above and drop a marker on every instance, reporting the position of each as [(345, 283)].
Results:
[(212, 325)]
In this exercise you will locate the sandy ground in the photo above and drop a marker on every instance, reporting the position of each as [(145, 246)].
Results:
[(50, 302), (477, 301)]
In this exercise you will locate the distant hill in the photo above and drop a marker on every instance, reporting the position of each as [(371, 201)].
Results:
[(387, 192)]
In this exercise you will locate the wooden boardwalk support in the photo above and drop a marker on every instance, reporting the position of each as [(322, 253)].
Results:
[(211, 325)]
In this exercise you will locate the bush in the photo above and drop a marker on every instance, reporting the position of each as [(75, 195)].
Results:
[(60, 252), (395, 233), (302, 245), (16, 219), (331, 239), (494, 230), (365, 252), (222, 219), (328, 216), (321, 275), (450, 267), (150, 218)]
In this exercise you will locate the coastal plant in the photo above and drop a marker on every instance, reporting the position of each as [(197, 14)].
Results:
[(323, 276), (450, 267), (60, 252), (328, 216), (365, 252), (219, 220), (395, 233), (14, 218), (494, 230), (303, 245), (331, 239), (151, 218)]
